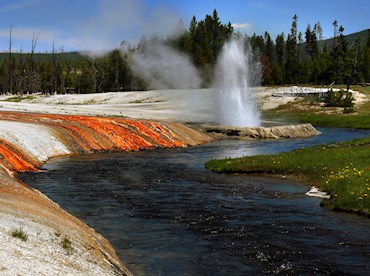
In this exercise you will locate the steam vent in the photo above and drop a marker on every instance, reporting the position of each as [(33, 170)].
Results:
[(55, 240)]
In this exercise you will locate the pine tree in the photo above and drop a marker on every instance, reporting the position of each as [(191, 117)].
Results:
[(292, 66), (270, 47), (87, 78), (319, 35), (355, 55), (340, 62)]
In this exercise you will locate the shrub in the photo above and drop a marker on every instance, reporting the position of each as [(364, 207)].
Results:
[(339, 99), (19, 234), (67, 245)]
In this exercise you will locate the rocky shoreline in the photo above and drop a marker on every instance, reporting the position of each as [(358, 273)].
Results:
[(56, 242), (250, 133)]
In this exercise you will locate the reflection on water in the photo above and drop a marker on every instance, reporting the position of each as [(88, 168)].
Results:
[(165, 214)]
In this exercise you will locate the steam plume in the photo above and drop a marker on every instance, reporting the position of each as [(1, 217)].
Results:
[(164, 67)]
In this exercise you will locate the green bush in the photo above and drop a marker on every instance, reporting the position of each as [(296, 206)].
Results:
[(339, 99), (19, 234)]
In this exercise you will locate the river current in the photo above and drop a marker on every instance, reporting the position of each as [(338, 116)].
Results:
[(167, 215)]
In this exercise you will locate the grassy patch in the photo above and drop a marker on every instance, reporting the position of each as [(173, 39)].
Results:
[(359, 121), (308, 110), (137, 101), (17, 99), (19, 234), (148, 100), (342, 170)]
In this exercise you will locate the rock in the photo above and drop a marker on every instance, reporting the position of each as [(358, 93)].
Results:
[(315, 192), (274, 132)]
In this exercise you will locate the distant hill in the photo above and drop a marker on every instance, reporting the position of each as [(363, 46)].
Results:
[(75, 56), (67, 56), (351, 38)]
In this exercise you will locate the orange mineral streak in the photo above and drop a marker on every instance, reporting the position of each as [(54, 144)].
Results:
[(90, 134), (13, 160)]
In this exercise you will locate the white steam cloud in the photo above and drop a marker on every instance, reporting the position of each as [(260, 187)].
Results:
[(118, 20), (164, 68)]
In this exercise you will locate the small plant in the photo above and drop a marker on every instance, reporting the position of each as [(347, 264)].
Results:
[(19, 234), (339, 99), (67, 245), (349, 109)]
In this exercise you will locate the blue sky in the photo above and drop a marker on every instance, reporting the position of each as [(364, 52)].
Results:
[(103, 24)]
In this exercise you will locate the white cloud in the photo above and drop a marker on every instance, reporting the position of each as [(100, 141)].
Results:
[(22, 36), (119, 20), (19, 5), (242, 26), (101, 29), (20, 33)]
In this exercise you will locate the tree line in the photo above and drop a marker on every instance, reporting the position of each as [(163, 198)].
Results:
[(23, 74), (308, 59), (294, 58)]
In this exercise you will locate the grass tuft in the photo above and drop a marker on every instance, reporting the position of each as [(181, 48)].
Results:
[(67, 245), (19, 234)]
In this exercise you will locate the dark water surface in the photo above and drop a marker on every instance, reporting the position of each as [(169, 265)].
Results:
[(166, 215)]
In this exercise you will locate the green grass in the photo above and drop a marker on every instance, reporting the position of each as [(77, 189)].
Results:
[(308, 111), (17, 99), (342, 170), (19, 234), (359, 121)]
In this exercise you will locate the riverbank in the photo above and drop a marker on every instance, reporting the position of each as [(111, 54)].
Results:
[(342, 170), (311, 109), (41, 238)]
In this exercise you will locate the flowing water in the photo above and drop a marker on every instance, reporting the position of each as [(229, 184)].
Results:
[(166, 215)]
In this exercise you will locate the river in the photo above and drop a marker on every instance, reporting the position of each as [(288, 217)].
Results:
[(167, 215)]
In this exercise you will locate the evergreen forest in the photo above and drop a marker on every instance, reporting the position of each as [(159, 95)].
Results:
[(292, 58)]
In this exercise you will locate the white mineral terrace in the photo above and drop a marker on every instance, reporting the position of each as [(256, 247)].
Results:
[(173, 105), (38, 140)]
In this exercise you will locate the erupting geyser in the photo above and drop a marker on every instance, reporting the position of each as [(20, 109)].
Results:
[(234, 105)]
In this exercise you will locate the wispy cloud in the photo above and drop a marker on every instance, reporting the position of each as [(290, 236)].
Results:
[(19, 5), (118, 20), (22, 37), (103, 28), (242, 26)]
